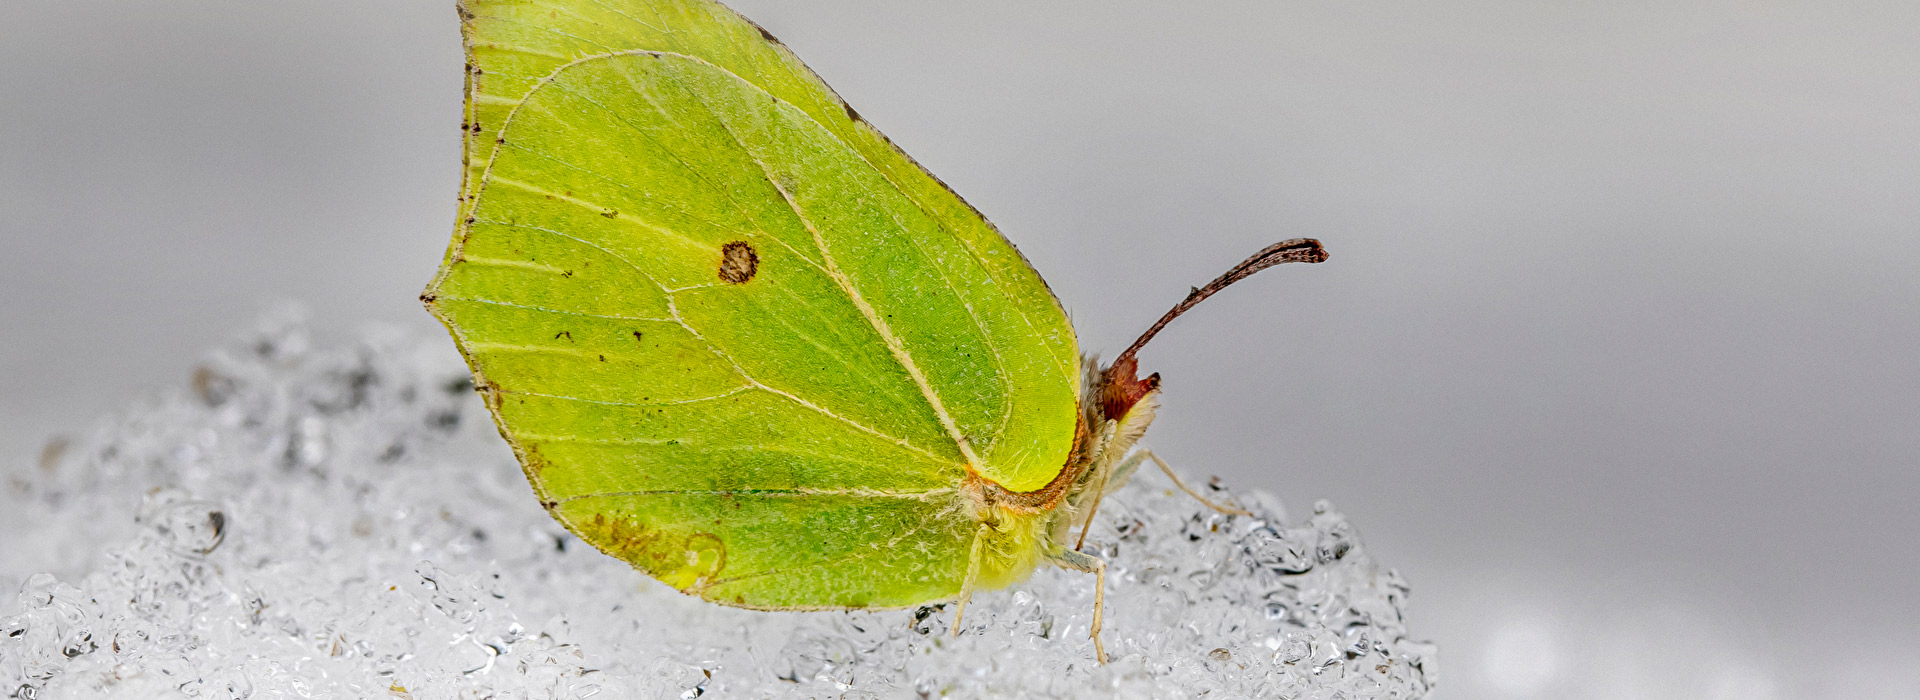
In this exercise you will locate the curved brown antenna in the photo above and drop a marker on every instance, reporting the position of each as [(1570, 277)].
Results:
[(1305, 250)]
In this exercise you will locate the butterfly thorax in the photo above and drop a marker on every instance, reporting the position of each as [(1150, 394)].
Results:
[(1025, 526)]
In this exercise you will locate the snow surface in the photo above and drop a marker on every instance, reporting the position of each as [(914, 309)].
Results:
[(347, 523)]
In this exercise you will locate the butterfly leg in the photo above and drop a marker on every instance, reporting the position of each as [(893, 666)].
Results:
[(973, 574), (1099, 492), (1088, 564), (1123, 472), (1230, 510)]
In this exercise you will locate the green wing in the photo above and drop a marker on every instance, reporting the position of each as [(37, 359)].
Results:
[(736, 337)]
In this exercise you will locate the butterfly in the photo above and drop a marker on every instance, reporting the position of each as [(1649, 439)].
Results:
[(740, 340)]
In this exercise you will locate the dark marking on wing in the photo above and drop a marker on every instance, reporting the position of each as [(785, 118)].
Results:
[(628, 540), (738, 262)]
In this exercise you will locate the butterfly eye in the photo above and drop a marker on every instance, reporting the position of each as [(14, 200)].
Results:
[(738, 262)]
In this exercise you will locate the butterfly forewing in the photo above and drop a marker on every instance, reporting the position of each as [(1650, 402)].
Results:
[(735, 336)]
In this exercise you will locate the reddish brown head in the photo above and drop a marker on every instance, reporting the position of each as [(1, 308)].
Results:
[(1120, 389)]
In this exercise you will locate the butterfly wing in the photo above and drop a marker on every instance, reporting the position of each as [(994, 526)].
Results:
[(735, 336)]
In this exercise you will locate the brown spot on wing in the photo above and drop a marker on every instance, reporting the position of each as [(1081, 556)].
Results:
[(738, 262)]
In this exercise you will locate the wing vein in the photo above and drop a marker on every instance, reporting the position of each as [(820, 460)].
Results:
[(772, 493), (880, 326), (488, 177), (555, 32), (582, 399), (630, 18), (1066, 365), (517, 264), (519, 50), (695, 172), (529, 307), (589, 206), (879, 550), (582, 241)]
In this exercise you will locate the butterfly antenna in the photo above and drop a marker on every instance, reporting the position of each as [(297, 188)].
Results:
[(1296, 250)]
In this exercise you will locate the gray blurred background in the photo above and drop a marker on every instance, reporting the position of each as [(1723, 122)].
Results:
[(1615, 358)]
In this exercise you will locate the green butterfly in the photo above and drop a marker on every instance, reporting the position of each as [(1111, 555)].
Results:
[(741, 341)]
